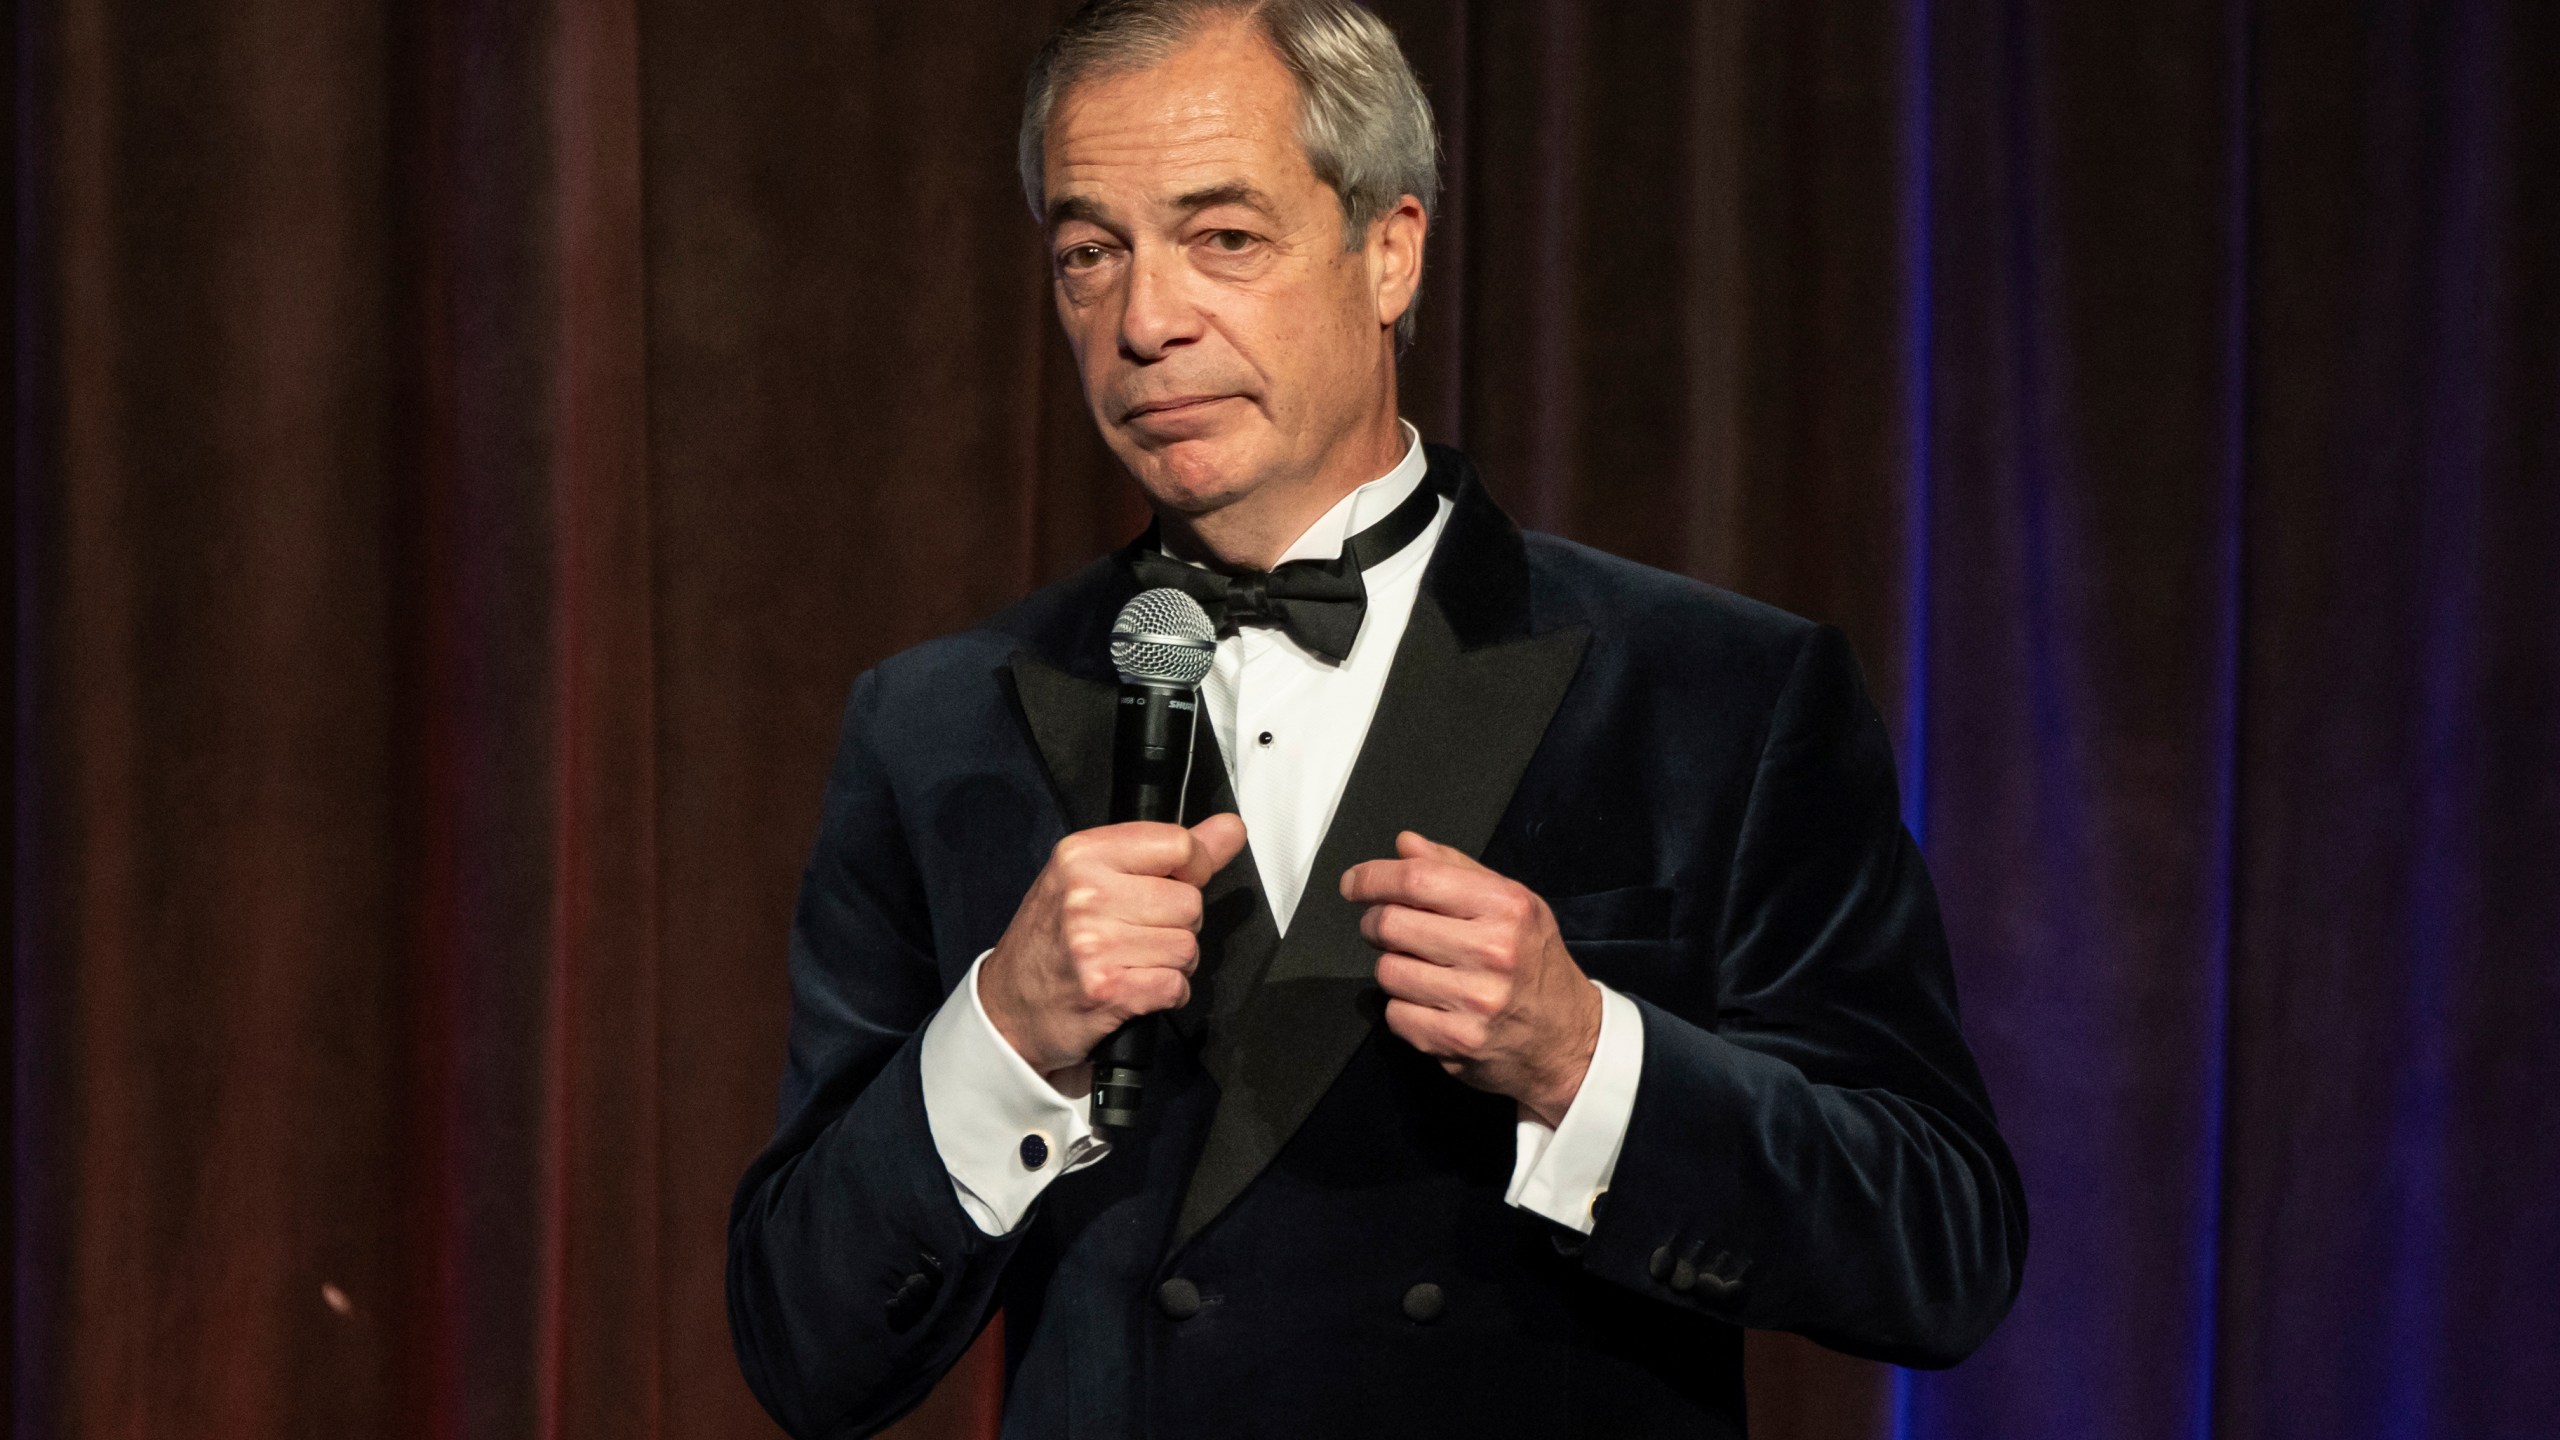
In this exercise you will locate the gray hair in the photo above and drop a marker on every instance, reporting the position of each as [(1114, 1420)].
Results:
[(1362, 118)]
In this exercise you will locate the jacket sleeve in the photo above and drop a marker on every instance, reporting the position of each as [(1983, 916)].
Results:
[(855, 1279), (1819, 1154)]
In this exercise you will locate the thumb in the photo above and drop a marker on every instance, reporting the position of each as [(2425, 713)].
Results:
[(1214, 842)]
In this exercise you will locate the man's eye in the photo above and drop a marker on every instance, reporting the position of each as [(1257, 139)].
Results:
[(1231, 241), (1080, 257)]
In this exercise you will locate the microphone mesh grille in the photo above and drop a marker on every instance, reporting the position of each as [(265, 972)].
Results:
[(1163, 637)]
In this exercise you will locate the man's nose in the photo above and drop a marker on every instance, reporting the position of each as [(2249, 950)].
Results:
[(1159, 314)]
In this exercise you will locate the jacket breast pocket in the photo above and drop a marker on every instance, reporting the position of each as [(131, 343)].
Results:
[(1630, 912), (1622, 937)]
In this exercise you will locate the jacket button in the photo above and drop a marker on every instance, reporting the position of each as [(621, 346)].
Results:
[(907, 1306), (1684, 1277), (1724, 1278), (1424, 1303), (1659, 1267), (1178, 1299)]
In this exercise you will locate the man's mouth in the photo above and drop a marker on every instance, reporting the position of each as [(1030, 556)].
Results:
[(1171, 407)]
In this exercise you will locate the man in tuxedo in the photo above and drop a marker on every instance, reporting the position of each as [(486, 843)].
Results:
[(1550, 987)]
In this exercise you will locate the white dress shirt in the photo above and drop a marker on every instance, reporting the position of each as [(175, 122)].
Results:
[(1290, 723)]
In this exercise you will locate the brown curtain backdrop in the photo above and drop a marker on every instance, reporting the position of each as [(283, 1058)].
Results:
[(464, 452)]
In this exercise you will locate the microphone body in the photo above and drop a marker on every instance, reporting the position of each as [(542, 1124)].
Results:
[(1151, 749), (1162, 644), (1151, 740)]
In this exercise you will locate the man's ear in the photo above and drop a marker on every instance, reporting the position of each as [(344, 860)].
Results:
[(1394, 252)]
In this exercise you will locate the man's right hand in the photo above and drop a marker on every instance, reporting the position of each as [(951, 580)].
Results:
[(1110, 929)]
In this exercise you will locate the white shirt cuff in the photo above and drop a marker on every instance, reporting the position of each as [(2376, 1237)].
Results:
[(1558, 1173), (992, 1115)]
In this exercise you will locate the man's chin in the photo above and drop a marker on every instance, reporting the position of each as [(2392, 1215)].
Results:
[(1196, 475)]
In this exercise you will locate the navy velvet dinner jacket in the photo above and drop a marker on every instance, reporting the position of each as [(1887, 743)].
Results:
[(1308, 1238)]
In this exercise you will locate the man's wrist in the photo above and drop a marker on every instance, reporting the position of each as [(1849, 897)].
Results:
[(1002, 1129), (1560, 1170), (1074, 1081), (1071, 1078), (1556, 1096)]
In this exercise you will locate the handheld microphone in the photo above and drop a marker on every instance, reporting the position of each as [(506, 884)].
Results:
[(1162, 644)]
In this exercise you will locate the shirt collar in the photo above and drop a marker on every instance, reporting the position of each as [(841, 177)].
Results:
[(1324, 539)]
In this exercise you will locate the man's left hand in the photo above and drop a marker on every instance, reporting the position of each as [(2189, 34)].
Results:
[(1476, 975)]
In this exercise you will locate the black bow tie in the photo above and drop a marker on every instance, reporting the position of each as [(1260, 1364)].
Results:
[(1318, 603)]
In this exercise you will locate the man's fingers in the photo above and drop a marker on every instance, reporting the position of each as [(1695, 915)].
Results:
[(1434, 1032), (1413, 845), (1146, 991), (1123, 970), (1154, 847), (1153, 947), (1426, 935), (1423, 882), (1460, 992), (1153, 900), (1413, 1024), (1132, 847), (1214, 842)]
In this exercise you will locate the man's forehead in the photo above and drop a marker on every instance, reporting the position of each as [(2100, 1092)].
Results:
[(1167, 160), (1109, 205), (1218, 114)]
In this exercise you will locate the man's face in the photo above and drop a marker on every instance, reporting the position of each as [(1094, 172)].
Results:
[(1226, 338)]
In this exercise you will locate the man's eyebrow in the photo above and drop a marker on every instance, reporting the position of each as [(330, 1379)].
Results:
[(1233, 192), (1067, 208), (1079, 207)]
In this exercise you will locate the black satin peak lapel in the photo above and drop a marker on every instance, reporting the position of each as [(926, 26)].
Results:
[(1070, 719), (1454, 729)]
